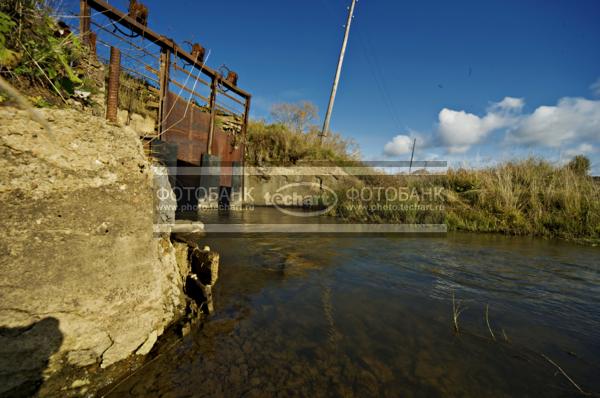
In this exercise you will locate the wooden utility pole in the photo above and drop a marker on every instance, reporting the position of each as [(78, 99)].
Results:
[(412, 155), (336, 80)]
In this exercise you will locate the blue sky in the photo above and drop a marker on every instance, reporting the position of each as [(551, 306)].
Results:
[(473, 81)]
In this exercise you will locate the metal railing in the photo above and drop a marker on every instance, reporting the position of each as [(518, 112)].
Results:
[(156, 64)]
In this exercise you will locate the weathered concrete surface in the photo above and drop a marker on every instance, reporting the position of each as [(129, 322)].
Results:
[(263, 183), (143, 125), (83, 279)]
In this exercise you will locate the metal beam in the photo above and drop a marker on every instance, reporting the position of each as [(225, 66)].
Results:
[(165, 63), (84, 20), (162, 41), (213, 115), (114, 74)]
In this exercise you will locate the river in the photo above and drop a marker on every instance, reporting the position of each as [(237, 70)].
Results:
[(327, 315)]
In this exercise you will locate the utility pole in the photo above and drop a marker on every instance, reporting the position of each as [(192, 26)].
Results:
[(336, 80), (412, 155)]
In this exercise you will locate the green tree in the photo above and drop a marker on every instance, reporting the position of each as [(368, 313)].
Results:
[(297, 117)]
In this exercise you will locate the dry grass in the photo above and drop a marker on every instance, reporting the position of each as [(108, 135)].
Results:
[(135, 95), (457, 309), (530, 197), (487, 321), (280, 145)]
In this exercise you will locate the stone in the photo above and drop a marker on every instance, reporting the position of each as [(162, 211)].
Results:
[(164, 198), (148, 344), (141, 125), (186, 329), (80, 383), (200, 293), (24, 354), (205, 264)]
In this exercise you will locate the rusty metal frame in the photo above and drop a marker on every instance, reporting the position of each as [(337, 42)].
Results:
[(170, 54), (164, 73), (114, 74), (128, 42), (213, 113), (160, 40), (84, 20), (231, 97), (189, 90), (188, 73)]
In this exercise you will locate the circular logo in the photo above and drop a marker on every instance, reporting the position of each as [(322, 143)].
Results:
[(304, 195)]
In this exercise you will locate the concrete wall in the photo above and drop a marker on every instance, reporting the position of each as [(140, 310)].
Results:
[(84, 280), (261, 183)]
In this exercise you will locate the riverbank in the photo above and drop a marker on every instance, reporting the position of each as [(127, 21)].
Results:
[(530, 197), (527, 197)]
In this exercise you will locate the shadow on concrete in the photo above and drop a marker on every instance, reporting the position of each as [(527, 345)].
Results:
[(24, 355)]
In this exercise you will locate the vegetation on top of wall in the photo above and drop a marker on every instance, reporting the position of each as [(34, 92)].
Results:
[(35, 56), (293, 137), (276, 144)]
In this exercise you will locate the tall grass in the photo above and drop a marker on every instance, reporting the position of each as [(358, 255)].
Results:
[(529, 197), (526, 197)]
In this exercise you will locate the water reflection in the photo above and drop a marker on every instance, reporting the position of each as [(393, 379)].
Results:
[(371, 316)]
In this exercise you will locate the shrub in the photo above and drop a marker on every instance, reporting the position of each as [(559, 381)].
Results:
[(580, 165)]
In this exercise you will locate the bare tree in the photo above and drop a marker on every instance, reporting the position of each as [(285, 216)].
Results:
[(298, 116)]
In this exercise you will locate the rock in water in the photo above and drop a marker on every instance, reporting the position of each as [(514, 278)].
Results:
[(205, 264), (148, 344)]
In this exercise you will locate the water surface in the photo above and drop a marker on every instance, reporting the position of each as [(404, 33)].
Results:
[(362, 316)]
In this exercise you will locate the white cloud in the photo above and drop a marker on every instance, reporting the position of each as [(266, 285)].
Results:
[(582, 149), (399, 145), (402, 144), (570, 127), (460, 130), (572, 119), (508, 104), (595, 87)]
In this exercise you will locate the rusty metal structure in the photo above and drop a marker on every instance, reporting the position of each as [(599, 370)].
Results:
[(114, 77), (200, 114)]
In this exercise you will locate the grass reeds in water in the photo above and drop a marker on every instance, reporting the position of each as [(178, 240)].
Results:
[(457, 309), (565, 374), (487, 321)]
